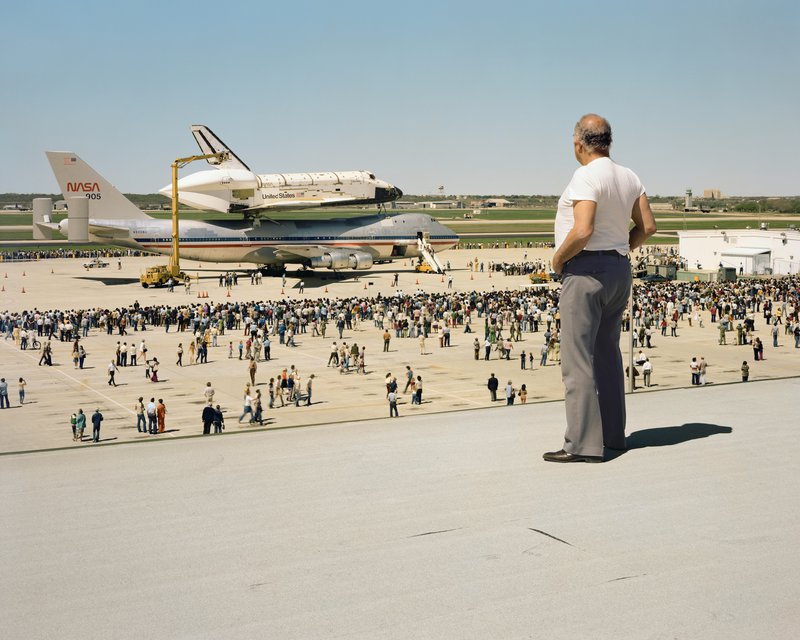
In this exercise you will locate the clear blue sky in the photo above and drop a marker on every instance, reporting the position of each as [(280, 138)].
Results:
[(480, 97)]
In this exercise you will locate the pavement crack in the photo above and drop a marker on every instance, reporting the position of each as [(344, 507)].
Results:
[(626, 577), (430, 533), (544, 533)]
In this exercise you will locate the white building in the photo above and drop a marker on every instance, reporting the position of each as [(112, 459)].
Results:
[(751, 251)]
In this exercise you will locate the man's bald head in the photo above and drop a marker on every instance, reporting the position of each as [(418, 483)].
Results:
[(594, 133)]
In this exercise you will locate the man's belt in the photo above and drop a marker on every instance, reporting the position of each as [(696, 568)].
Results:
[(602, 252)]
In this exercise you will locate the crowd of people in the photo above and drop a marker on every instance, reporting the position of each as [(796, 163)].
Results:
[(251, 329), (23, 255)]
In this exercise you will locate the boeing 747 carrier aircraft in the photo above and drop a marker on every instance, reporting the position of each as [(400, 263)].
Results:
[(338, 244)]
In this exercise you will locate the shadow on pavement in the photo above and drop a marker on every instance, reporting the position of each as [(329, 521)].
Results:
[(110, 281), (666, 436)]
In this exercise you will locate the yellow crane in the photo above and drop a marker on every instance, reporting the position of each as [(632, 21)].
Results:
[(159, 275)]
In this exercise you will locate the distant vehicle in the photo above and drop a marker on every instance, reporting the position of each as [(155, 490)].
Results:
[(654, 277), (539, 278), (159, 276), (424, 267), (14, 207), (95, 263)]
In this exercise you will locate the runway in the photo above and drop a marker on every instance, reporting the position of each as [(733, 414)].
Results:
[(447, 526)]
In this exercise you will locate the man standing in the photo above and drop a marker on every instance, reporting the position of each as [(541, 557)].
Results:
[(510, 393), (152, 420), (219, 420), (647, 371), (208, 418), (97, 418), (252, 369), (4, 404), (309, 387), (392, 397), (141, 424), (386, 338), (492, 385), (694, 368), (593, 239)]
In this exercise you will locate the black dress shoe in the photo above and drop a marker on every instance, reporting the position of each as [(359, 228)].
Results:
[(563, 456)]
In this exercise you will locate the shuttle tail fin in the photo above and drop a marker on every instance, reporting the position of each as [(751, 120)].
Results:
[(76, 179), (208, 142)]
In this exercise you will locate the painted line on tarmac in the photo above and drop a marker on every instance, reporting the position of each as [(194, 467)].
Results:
[(78, 382)]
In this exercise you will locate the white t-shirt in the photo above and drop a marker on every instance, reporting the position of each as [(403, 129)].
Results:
[(615, 189)]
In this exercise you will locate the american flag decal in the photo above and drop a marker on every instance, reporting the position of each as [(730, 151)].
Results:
[(71, 160)]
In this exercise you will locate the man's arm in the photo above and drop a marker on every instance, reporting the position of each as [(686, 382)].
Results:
[(583, 212), (643, 220)]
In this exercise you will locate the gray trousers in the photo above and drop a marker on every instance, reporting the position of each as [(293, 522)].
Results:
[(593, 297)]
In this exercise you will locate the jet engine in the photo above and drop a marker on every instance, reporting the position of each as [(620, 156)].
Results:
[(343, 259)]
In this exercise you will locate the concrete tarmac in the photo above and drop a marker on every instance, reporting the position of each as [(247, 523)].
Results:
[(437, 526)]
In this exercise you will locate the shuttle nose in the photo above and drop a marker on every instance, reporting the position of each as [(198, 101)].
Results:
[(388, 194)]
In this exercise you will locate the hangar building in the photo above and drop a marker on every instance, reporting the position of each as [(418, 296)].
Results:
[(749, 251)]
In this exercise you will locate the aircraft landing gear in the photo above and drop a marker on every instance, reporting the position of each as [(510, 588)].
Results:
[(272, 270)]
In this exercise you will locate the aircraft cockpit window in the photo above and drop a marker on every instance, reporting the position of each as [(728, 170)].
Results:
[(371, 176)]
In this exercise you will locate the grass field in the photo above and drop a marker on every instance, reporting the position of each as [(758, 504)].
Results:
[(486, 226)]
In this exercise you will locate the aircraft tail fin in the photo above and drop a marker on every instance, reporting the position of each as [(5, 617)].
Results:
[(76, 179), (208, 142)]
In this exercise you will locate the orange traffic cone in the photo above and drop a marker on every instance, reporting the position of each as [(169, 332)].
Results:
[(51, 271), (4, 287), (23, 273), (470, 277), (281, 290), (229, 293), (417, 280), (365, 286), (6, 274), (326, 289), (490, 274), (23, 289)]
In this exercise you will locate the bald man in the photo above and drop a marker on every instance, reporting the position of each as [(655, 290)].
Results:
[(593, 238)]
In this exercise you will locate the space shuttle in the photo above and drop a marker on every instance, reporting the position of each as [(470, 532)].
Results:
[(231, 187)]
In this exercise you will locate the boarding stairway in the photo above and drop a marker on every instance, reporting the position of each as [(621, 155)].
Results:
[(426, 251)]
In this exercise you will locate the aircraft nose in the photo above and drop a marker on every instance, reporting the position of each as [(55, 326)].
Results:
[(388, 194)]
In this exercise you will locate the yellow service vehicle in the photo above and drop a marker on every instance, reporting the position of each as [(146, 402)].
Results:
[(424, 267), (539, 278), (159, 276)]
